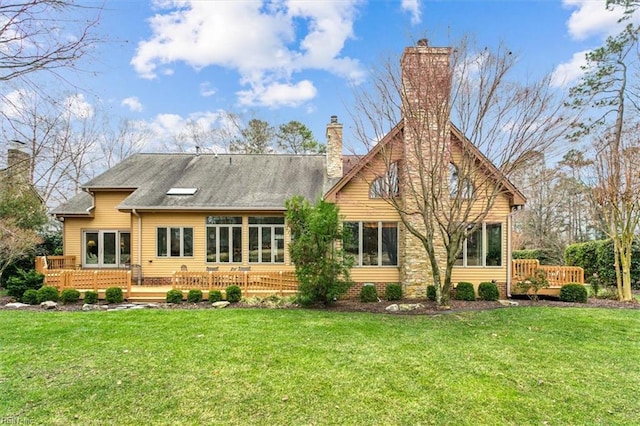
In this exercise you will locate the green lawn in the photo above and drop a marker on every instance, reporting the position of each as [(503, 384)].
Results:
[(509, 366)]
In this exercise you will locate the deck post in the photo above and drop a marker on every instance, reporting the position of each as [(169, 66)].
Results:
[(281, 284), (128, 285)]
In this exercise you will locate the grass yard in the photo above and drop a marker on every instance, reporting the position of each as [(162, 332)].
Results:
[(507, 366)]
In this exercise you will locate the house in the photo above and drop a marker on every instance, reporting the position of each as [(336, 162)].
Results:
[(165, 212)]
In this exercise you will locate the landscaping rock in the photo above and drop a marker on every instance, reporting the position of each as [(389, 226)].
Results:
[(221, 304), (88, 307), (410, 306), (392, 308), (49, 304), (508, 302), (17, 305)]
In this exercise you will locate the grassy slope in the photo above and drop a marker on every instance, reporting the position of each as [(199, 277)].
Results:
[(509, 366)]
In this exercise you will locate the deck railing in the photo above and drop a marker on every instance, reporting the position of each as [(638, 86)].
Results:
[(556, 275), (55, 262), (95, 280), (249, 281)]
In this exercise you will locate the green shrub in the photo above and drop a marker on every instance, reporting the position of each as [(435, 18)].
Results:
[(431, 292), (91, 297), (234, 294), (47, 293), (69, 295), (174, 296), (30, 296), (22, 281), (215, 296), (597, 257), (393, 292), (573, 293), (465, 291), (533, 284), (194, 296), (488, 291), (368, 294), (113, 295), (596, 284)]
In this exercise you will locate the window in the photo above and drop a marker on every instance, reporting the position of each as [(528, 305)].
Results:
[(483, 247), (387, 185), (266, 239), (224, 239), (106, 249), (372, 243), (455, 190), (174, 242)]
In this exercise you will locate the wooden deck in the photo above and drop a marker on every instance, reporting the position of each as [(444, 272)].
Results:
[(556, 275)]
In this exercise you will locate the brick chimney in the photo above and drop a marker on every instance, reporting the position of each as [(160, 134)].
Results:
[(426, 86), (18, 169), (334, 148)]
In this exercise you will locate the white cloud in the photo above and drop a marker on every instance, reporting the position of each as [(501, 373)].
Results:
[(591, 18), (77, 107), (14, 102), (569, 72), (206, 90), (278, 94), (413, 7), (133, 103), (258, 39)]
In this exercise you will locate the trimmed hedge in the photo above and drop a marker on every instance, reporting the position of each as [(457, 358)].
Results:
[(234, 294), (573, 293), (113, 295), (47, 294), (393, 292), (30, 296), (69, 295), (596, 257), (215, 296), (368, 294), (22, 281), (488, 291), (465, 291), (544, 256), (91, 297), (194, 296), (174, 296)]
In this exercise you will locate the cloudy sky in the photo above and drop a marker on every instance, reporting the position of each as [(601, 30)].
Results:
[(168, 62)]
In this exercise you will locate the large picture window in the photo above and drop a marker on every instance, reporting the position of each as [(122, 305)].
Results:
[(372, 243), (174, 242), (106, 248), (266, 239), (483, 247), (224, 239)]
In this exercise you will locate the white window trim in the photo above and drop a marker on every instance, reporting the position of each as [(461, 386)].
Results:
[(101, 233), (485, 248), (168, 234)]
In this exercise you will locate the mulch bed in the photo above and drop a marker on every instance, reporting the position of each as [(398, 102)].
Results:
[(427, 308)]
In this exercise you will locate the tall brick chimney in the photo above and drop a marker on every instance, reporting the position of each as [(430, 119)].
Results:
[(18, 169), (334, 148), (426, 86)]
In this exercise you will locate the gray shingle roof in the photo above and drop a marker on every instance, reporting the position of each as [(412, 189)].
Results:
[(223, 182)]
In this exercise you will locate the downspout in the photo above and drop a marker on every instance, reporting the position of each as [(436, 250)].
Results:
[(135, 213)]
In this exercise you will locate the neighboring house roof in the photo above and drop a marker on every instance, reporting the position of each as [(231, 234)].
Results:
[(222, 182)]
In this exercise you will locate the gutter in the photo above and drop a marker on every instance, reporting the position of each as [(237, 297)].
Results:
[(139, 244), (509, 249)]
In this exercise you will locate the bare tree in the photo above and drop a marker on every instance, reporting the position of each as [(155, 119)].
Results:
[(129, 138), (43, 35), (457, 123)]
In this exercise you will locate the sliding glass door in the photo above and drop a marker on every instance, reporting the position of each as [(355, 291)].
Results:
[(106, 249)]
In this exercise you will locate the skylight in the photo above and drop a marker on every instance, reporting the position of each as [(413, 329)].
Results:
[(182, 191)]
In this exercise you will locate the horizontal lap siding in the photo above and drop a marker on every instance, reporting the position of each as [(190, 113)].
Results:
[(154, 266), (355, 205), (105, 216)]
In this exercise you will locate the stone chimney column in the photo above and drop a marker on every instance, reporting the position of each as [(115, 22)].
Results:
[(334, 148), (426, 86)]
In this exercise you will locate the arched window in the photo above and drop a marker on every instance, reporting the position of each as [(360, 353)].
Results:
[(387, 185), (457, 188)]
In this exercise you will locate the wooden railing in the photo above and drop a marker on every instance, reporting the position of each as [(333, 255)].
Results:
[(55, 262), (556, 275), (95, 280), (249, 281)]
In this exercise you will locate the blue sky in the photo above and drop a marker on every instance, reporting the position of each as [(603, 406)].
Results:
[(168, 62)]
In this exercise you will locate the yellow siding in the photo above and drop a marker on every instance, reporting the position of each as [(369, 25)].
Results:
[(105, 216), (154, 266)]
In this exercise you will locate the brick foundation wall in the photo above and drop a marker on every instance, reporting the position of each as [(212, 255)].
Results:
[(156, 281)]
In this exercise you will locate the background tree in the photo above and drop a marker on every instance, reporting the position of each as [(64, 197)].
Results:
[(445, 198), (322, 268), (43, 35), (296, 138), (256, 138), (608, 90)]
